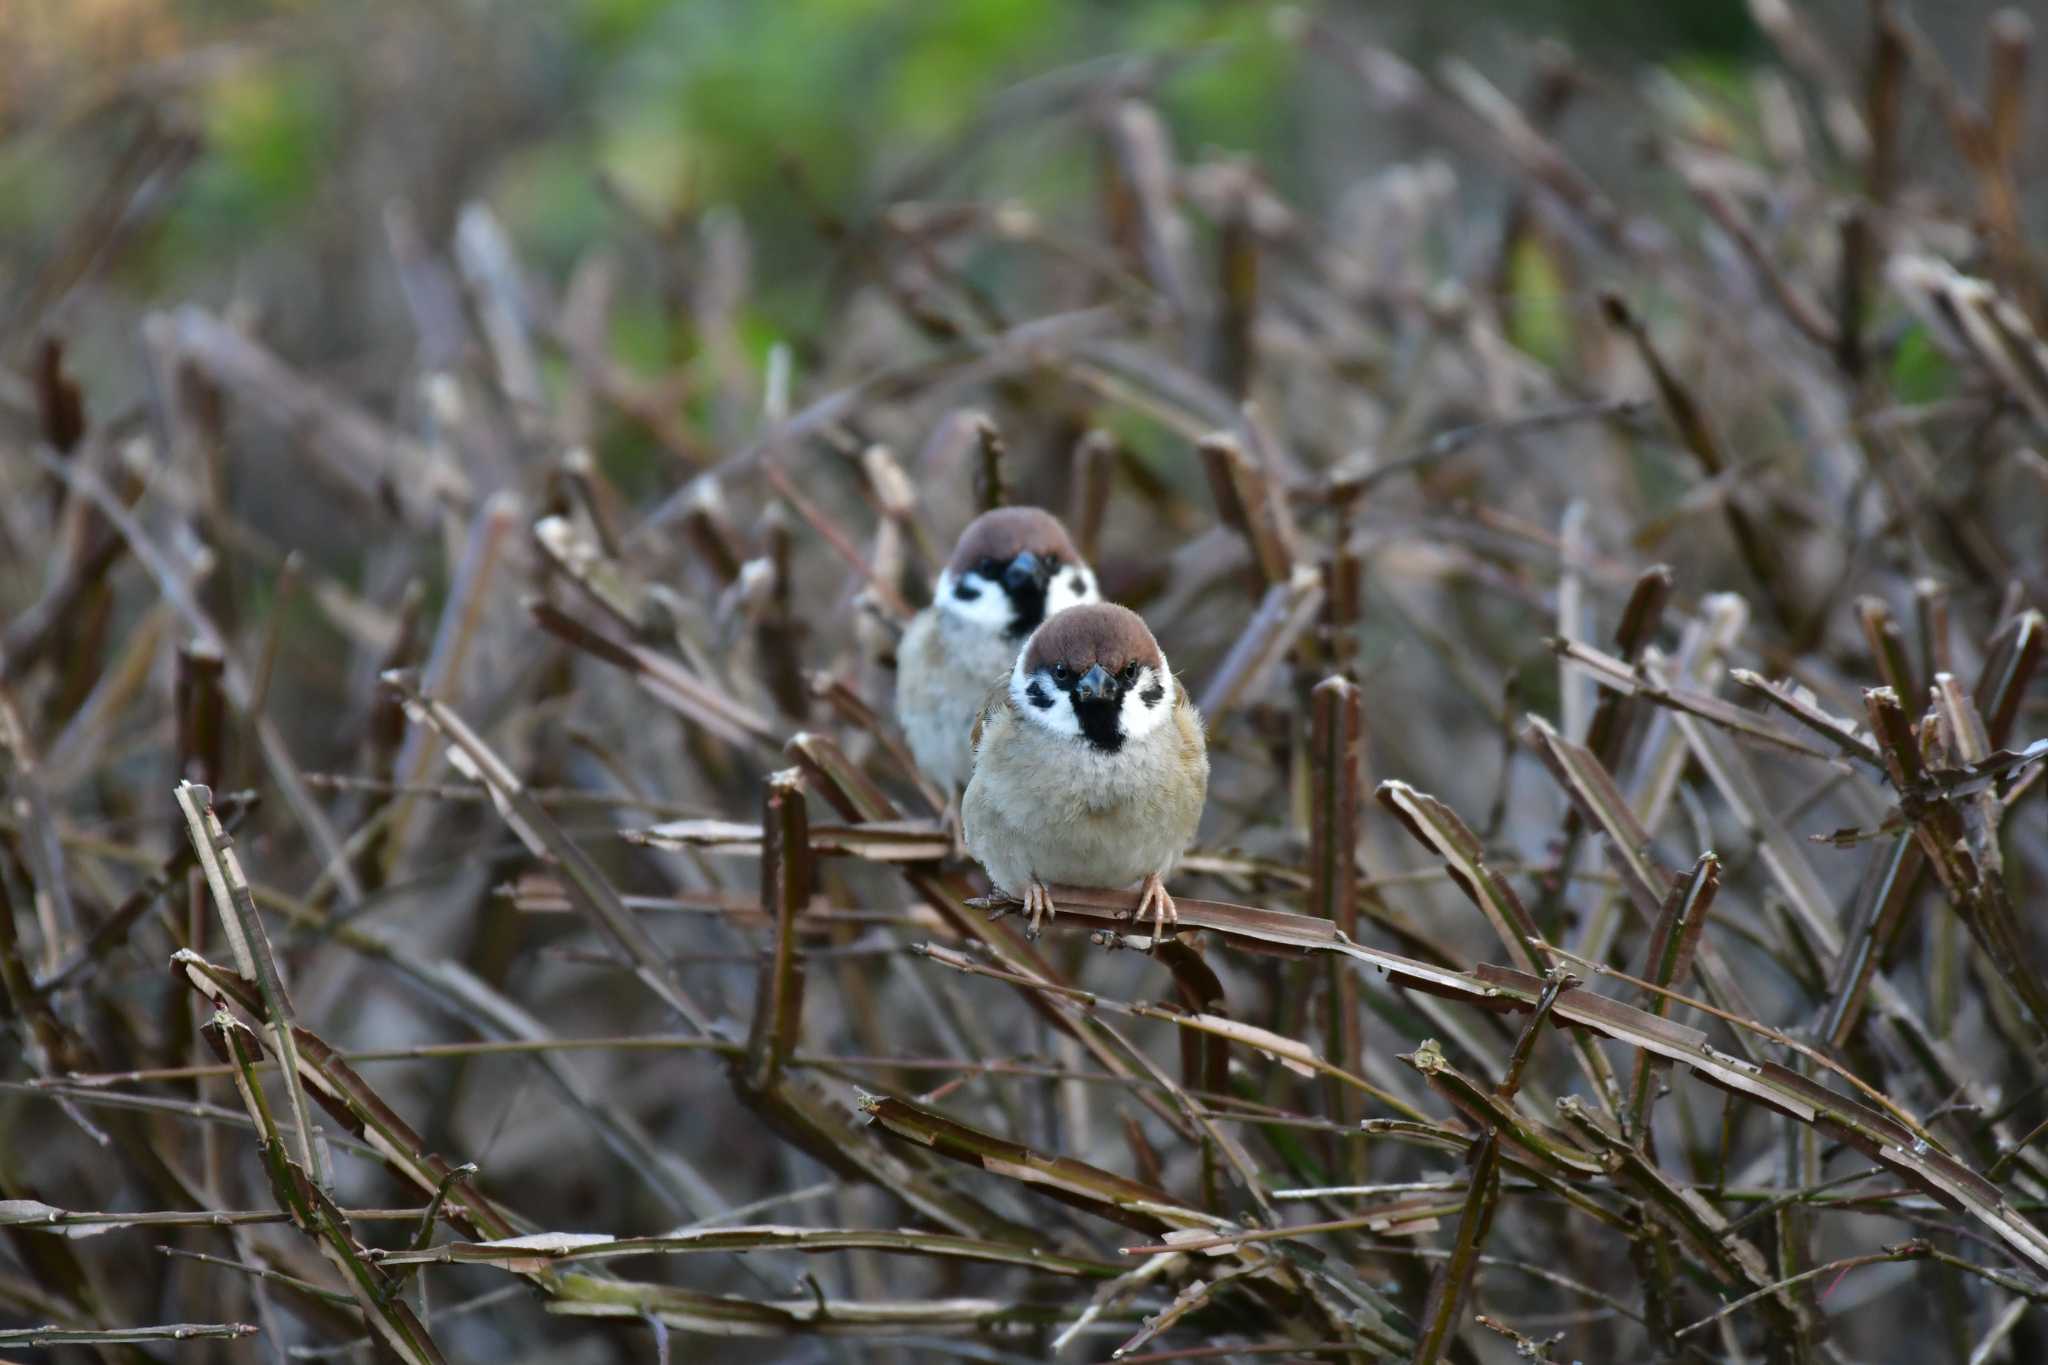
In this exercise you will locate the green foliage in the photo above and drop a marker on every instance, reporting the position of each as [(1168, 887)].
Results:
[(549, 190), (958, 55), (1613, 26), (34, 188), (1537, 301), (1920, 370), (269, 129), (1233, 96)]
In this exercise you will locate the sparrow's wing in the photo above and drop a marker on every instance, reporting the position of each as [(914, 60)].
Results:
[(1194, 734), (998, 697)]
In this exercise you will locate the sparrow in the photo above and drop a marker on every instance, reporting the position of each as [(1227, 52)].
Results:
[(1090, 766), (1011, 568)]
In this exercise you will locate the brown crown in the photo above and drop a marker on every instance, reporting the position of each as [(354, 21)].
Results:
[(1007, 532), (1094, 633)]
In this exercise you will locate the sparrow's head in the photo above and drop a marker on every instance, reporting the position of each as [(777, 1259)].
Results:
[(1013, 568), (1094, 673)]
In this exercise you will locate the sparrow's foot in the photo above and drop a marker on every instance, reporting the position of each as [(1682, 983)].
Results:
[(1154, 901), (1037, 906)]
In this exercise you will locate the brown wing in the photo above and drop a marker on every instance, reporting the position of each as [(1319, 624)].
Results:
[(999, 695), (1194, 735)]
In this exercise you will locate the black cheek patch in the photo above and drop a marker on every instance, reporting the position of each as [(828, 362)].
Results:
[(1035, 694), (965, 593), (1078, 584), (1153, 695)]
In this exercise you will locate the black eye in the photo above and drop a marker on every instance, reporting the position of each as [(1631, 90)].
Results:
[(1059, 672), (1052, 562), (989, 568), (1130, 674)]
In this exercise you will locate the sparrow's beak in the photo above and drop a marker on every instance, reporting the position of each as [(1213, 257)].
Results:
[(1097, 684), (1027, 570)]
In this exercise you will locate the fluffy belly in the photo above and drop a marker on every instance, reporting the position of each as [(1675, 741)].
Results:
[(1109, 854), (1103, 864)]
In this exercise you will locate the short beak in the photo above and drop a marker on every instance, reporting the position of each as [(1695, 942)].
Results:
[(1027, 569), (1096, 685)]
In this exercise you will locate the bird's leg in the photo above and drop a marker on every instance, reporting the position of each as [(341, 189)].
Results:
[(1037, 906), (1153, 899)]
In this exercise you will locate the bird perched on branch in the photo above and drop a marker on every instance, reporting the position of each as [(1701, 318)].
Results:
[(1012, 568), (1090, 766)]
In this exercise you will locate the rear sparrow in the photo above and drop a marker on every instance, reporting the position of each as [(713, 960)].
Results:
[(1011, 569), (1090, 766)]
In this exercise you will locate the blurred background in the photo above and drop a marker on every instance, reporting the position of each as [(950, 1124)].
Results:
[(703, 182), (338, 296), (260, 147)]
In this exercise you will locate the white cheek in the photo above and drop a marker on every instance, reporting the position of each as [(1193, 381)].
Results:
[(1059, 718), (1139, 719), (990, 609), (1062, 593)]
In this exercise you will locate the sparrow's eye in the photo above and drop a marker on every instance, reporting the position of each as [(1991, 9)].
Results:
[(1052, 562), (1059, 673), (1130, 673), (989, 568)]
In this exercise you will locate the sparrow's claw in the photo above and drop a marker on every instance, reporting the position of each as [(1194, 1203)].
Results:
[(1037, 907), (1153, 900)]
